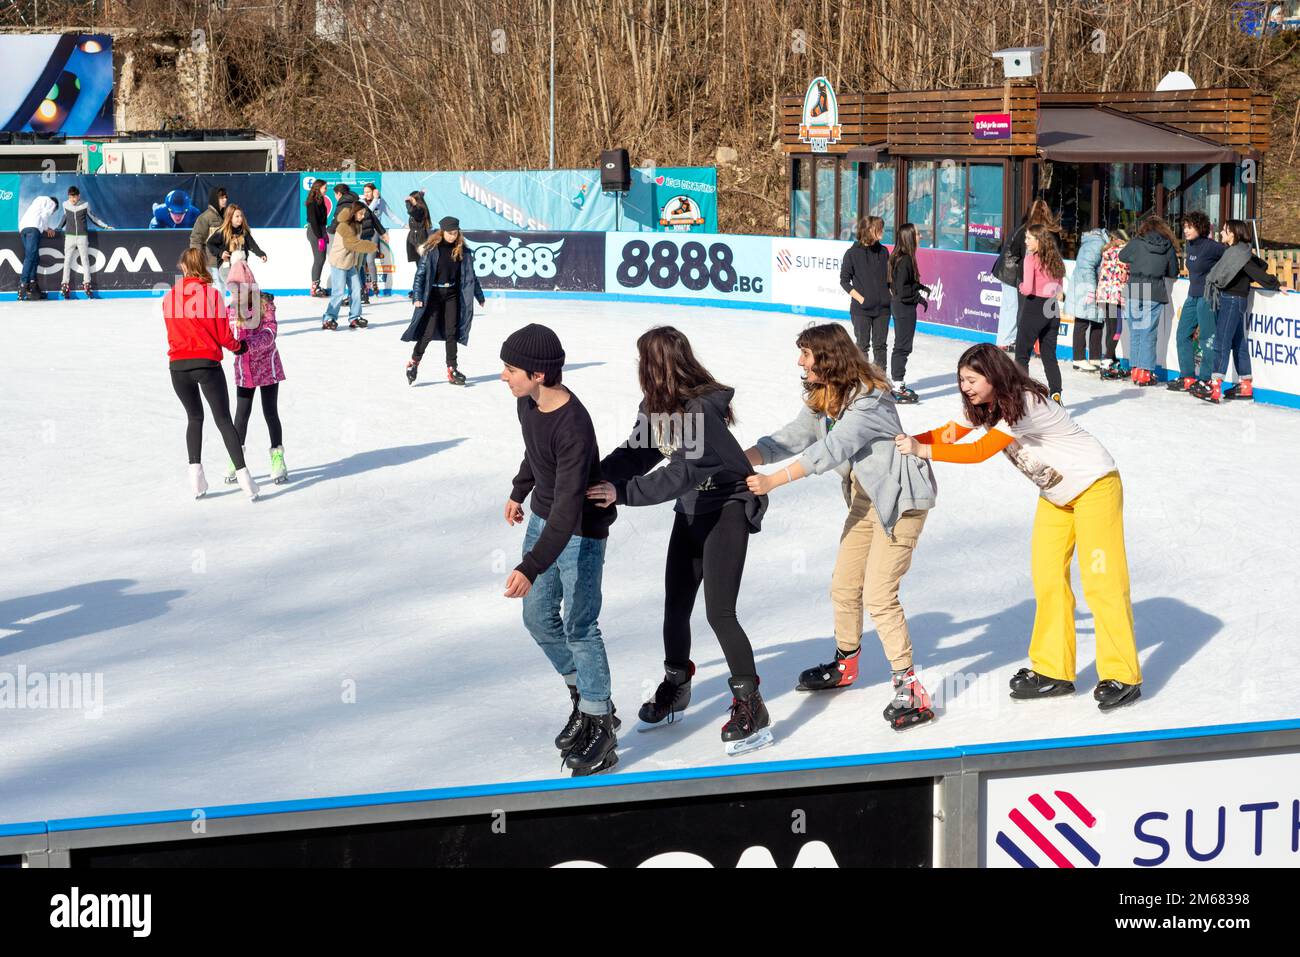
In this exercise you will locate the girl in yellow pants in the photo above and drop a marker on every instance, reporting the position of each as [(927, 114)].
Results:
[(1081, 507)]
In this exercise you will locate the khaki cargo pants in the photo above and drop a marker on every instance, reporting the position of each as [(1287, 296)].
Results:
[(868, 569)]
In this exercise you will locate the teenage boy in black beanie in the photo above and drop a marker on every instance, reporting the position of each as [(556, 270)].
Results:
[(564, 546)]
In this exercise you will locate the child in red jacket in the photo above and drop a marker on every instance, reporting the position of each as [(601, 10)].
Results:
[(197, 331)]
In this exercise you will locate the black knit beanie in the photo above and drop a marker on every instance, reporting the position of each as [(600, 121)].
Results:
[(534, 348)]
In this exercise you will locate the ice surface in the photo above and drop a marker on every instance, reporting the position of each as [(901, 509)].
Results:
[(231, 636)]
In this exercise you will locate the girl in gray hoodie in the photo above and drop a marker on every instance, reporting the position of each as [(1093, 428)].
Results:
[(847, 423)]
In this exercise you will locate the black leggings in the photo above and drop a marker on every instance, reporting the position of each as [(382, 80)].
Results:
[(211, 380), (444, 317), (871, 332), (904, 333), (1087, 332), (317, 255), (1038, 322), (270, 411), (708, 548)]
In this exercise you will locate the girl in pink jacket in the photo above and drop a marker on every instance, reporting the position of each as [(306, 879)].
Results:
[(1040, 314), (252, 313)]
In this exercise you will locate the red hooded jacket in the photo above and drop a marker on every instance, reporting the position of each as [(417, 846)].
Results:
[(197, 326)]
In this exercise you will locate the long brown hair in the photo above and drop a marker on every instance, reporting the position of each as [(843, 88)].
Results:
[(435, 237), (904, 246), (316, 194), (193, 264), (1156, 224), (670, 375), (1009, 381), (234, 240), (870, 229), (843, 372), (1049, 254), (1040, 214)]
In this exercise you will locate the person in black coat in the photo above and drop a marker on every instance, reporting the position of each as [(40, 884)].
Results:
[(445, 288), (317, 238), (864, 275), (906, 293), (418, 224)]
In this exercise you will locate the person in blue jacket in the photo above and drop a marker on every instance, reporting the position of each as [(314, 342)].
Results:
[(1081, 301), (174, 212), (1198, 318), (444, 289)]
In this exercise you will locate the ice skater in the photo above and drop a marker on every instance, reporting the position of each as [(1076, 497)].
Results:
[(864, 275), (197, 330), (252, 313), (559, 578), (230, 247), (76, 215), (43, 216), (847, 423), (906, 292), (1081, 503), (346, 250), (684, 417), (445, 289)]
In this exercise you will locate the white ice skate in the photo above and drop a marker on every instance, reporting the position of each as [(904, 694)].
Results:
[(198, 484), (247, 484), (279, 473)]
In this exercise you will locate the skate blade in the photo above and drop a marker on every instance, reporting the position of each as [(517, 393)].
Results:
[(643, 727), (604, 768), (1120, 704), (925, 716), (804, 689), (757, 740), (1035, 696), (281, 480)]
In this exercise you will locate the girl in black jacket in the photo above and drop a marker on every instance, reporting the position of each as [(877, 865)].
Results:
[(905, 290), (317, 238), (444, 290), (864, 275), (233, 242), (685, 417)]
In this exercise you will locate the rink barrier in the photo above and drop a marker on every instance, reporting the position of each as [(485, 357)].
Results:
[(959, 777)]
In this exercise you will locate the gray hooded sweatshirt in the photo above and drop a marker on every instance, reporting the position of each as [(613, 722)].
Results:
[(860, 445)]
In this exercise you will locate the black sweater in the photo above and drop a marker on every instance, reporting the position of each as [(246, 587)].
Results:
[(906, 283), (1202, 253), (702, 478), (866, 269), (316, 219), (217, 243), (1256, 270), (561, 461)]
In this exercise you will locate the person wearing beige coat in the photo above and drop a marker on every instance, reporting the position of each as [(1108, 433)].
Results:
[(345, 252)]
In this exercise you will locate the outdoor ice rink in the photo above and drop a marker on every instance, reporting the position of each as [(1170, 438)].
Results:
[(347, 633)]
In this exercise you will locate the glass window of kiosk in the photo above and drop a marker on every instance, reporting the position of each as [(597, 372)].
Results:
[(920, 200), (950, 212), (848, 200), (880, 195), (800, 199), (824, 225), (984, 218)]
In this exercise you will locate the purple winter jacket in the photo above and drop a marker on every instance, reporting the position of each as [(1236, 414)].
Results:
[(260, 365)]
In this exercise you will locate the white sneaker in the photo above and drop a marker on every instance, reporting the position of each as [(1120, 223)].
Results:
[(247, 484), (1087, 365), (198, 484)]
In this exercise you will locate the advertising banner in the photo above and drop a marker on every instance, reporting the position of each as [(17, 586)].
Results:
[(10, 185), (126, 259), (1234, 812), (554, 261), (806, 272), (395, 217), (963, 293), (57, 83), (661, 199), (732, 268), (170, 200), (1273, 327)]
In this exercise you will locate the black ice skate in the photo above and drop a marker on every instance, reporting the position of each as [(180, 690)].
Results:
[(748, 727), (905, 395), (911, 705), (1027, 684), (1111, 694), (86, 288), (66, 291), (455, 376), (412, 370), (571, 733), (593, 752), (840, 673), (329, 324), (670, 700), (359, 323)]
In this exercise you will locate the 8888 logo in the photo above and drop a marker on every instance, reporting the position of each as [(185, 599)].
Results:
[(666, 266)]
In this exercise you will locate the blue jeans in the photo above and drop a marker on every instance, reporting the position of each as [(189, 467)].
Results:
[(1007, 314), (571, 638), (1196, 314), (1143, 332), (344, 282), (31, 254), (1230, 336)]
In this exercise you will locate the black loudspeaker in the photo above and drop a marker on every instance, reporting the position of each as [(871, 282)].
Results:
[(615, 171)]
